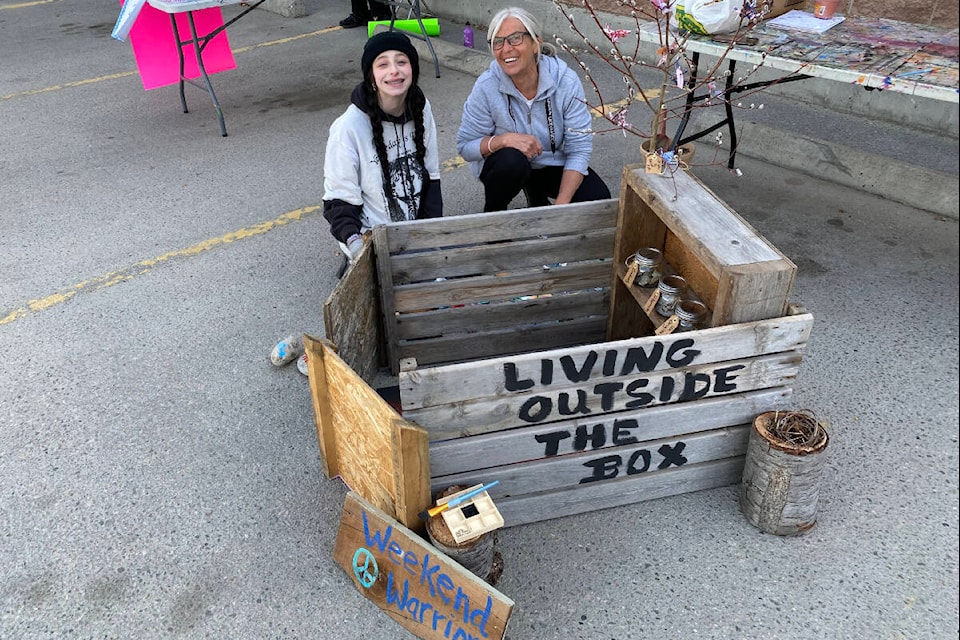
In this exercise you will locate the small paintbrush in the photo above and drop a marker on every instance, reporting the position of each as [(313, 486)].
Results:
[(440, 508)]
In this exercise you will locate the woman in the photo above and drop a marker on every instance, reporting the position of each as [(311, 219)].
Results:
[(525, 125), (381, 162)]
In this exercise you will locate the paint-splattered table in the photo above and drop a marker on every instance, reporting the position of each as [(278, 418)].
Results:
[(877, 53)]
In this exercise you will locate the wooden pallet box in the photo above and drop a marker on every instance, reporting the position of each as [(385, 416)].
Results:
[(496, 328)]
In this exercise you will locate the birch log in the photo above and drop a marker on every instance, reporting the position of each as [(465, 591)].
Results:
[(781, 481)]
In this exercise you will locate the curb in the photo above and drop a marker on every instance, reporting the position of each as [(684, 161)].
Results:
[(908, 184)]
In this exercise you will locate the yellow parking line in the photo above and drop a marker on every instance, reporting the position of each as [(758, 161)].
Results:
[(114, 76), (145, 266), (22, 5)]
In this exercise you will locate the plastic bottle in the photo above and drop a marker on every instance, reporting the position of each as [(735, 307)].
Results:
[(468, 36)]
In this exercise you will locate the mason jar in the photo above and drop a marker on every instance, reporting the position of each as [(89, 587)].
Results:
[(672, 289), (690, 313), (648, 262)]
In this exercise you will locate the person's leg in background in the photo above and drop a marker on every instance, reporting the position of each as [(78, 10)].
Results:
[(504, 174), (363, 11), (380, 10)]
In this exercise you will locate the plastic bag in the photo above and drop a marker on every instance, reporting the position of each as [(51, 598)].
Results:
[(128, 15), (709, 16)]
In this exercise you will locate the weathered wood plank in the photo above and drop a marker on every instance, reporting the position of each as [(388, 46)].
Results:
[(537, 507), (485, 451), (387, 563), (473, 380), (387, 302), (411, 464), (490, 288), (486, 258), (755, 291), (351, 317), (484, 415), (578, 469), (502, 225), (356, 429), (509, 340), (479, 318)]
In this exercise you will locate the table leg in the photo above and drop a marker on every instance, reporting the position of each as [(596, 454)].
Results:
[(203, 72), (176, 35)]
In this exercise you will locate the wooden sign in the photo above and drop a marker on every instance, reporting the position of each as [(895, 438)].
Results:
[(421, 588)]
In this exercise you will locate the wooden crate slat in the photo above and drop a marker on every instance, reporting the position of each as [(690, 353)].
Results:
[(619, 492), (536, 281), (351, 317), (479, 318), (387, 306), (518, 339), (465, 381), (484, 415), (502, 225), (483, 452), (486, 258), (650, 457)]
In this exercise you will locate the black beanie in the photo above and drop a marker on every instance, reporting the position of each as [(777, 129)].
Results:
[(389, 41)]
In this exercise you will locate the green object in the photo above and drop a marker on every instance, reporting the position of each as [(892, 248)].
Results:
[(432, 26)]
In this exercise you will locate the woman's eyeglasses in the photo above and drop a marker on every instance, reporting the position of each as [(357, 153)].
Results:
[(514, 40)]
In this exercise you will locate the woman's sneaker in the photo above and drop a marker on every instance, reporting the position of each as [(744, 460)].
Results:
[(287, 350)]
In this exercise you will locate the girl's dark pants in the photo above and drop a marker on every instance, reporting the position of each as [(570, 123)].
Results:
[(507, 171)]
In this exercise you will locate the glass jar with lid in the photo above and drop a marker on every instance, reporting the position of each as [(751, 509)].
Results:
[(648, 261), (690, 314), (671, 288)]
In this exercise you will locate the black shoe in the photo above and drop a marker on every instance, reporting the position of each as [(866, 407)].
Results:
[(352, 21)]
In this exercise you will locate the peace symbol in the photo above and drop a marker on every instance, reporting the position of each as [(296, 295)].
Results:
[(365, 567)]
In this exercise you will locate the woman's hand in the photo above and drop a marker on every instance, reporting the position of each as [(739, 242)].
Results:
[(525, 143)]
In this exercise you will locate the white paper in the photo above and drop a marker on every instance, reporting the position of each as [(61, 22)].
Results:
[(803, 21)]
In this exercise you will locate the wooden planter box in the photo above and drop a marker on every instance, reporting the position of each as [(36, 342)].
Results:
[(521, 356)]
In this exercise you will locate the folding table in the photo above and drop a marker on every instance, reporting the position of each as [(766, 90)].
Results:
[(199, 41)]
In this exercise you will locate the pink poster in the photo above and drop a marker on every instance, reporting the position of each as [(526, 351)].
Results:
[(155, 47)]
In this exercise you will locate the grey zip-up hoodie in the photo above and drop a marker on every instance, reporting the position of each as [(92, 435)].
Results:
[(496, 106)]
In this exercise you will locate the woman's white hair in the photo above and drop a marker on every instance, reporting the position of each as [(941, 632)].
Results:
[(529, 22)]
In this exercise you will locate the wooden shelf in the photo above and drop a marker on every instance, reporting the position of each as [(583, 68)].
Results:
[(642, 296)]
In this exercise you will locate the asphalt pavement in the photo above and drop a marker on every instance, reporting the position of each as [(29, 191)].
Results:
[(159, 478)]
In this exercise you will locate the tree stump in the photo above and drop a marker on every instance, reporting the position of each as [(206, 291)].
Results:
[(478, 556), (781, 474)]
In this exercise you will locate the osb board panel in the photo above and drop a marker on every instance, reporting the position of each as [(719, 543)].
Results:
[(575, 469), (600, 433), (414, 583), (621, 491), (595, 363), (351, 317), (359, 435)]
